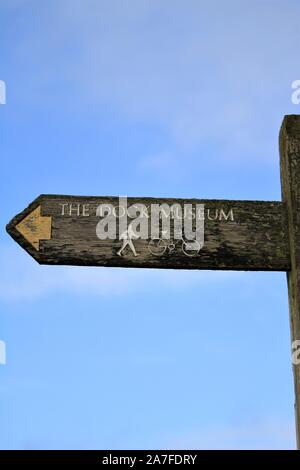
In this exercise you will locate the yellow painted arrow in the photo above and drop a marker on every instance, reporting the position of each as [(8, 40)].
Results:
[(35, 227)]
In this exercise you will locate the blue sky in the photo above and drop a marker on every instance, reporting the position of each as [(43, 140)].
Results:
[(143, 98)]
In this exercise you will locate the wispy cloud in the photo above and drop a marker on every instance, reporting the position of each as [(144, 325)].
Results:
[(164, 166), (271, 434), (21, 278), (203, 72)]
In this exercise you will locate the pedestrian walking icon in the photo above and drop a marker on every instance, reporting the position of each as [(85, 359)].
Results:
[(127, 236)]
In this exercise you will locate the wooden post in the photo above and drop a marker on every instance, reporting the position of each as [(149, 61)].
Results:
[(290, 183)]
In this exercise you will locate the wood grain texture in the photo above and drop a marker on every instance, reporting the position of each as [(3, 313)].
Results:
[(256, 239), (290, 183)]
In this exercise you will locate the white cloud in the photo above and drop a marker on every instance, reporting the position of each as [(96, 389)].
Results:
[(202, 71), (162, 162), (272, 434), (22, 278)]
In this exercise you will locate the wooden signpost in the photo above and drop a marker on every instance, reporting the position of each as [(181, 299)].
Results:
[(177, 233)]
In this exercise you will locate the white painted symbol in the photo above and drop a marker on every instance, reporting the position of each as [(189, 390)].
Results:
[(158, 246), (127, 237)]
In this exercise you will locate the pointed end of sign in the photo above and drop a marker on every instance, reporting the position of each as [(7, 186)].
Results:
[(30, 227)]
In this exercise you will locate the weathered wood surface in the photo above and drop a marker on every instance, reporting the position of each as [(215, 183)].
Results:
[(256, 239), (290, 183)]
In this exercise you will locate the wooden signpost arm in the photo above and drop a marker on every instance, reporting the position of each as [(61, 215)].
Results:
[(290, 182)]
